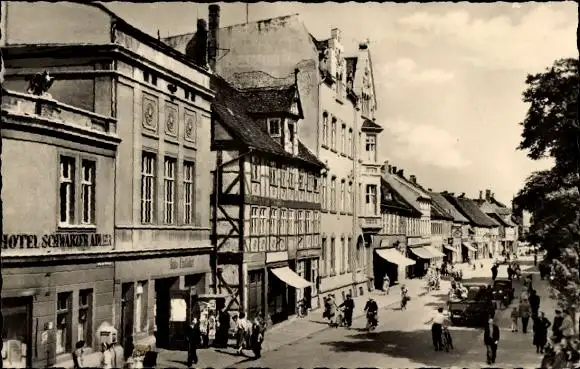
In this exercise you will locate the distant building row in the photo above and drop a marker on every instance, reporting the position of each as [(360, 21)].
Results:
[(158, 174)]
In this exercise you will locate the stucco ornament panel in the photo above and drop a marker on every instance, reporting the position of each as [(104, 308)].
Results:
[(171, 119), (190, 129), (150, 112)]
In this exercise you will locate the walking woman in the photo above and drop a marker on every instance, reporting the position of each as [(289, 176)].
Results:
[(541, 325)]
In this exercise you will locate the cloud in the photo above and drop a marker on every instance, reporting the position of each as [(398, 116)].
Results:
[(426, 144), (532, 43), (407, 69)]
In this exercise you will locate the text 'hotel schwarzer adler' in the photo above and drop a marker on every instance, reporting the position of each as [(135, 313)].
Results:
[(180, 175)]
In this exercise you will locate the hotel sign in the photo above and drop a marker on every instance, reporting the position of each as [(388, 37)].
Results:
[(58, 240)]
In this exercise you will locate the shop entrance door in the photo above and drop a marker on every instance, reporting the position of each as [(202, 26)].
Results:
[(127, 312), (17, 332), (179, 318)]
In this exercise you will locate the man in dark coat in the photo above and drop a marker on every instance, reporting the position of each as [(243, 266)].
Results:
[(193, 341), (494, 272), (534, 302), (491, 339), (557, 325), (348, 305), (541, 325)]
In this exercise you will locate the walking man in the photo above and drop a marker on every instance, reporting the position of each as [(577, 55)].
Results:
[(494, 272), (348, 305), (193, 341), (534, 302), (557, 325), (491, 339), (525, 310), (437, 329)]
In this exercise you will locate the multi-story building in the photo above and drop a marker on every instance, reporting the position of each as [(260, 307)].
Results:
[(159, 104), (389, 247), (498, 233), (267, 209), (272, 49), (441, 224), (508, 241), (58, 235), (453, 245), (480, 230), (419, 246)]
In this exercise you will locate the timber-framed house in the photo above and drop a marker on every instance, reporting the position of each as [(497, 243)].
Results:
[(266, 215)]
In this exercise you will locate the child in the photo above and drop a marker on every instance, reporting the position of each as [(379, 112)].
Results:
[(515, 315)]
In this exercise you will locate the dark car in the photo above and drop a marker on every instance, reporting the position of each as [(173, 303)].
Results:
[(503, 291), (475, 308)]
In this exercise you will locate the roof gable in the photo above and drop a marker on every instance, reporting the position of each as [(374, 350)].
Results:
[(395, 201), (471, 211), (273, 101), (407, 193), (448, 207)]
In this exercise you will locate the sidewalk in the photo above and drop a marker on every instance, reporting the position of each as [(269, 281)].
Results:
[(296, 329)]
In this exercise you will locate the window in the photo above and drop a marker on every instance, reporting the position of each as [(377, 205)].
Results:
[(301, 180), (254, 221), (283, 223), (85, 316), (255, 173), (274, 221), (273, 176), (300, 222), (349, 247), (140, 318), (188, 192), (315, 183), (147, 187), (274, 127), (343, 139), (370, 145), (361, 207), (291, 135), (325, 128), (283, 180), (371, 200), (332, 256), (323, 193), (169, 189), (345, 260), (88, 192), (342, 196), (333, 134), (350, 143), (64, 322), (324, 256), (316, 226), (291, 222), (333, 194), (308, 223), (291, 183), (263, 220), (67, 190), (349, 197)]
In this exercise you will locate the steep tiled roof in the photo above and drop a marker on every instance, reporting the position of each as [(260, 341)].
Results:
[(369, 125), (230, 106), (410, 194), (396, 202), (437, 212), (448, 207), (471, 211), (269, 100)]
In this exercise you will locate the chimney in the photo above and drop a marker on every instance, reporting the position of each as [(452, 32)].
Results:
[(335, 34), (213, 38), (390, 169), (493, 195), (385, 168), (296, 71), (401, 173), (462, 195), (481, 195), (487, 194), (394, 170), (413, 178), (196, 48), (430, 190)]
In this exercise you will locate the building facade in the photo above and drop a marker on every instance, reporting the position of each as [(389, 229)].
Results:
[(58, 237), (441, 227), (161, 237), (453, 247), (267, 208)]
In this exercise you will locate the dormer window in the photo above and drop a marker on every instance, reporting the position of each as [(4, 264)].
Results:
[(274, 127)]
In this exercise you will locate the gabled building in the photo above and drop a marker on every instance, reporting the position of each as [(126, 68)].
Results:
[(419, 242), (157, 103), (480, 230), (274, 48), (266, 202), (508, 240), (459, 228), (441, 224), (389, 247), (497, 233)]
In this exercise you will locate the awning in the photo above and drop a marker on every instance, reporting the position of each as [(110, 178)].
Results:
[(450, 248), (288, 276), (468, 246), (394, 257), (433, 251), (422, 252)]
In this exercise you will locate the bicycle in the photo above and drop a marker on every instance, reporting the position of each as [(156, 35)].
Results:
[(446, 339)]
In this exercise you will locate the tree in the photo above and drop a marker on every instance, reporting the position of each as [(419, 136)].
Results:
[(551, 129)]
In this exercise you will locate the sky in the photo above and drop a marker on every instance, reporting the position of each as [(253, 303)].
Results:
[(449, 76)]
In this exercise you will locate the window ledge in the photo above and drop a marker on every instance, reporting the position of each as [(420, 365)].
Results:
[(325, 146), (77, 228), (255, 181), (334, 151), (343, 154), (350, 157), (324, 211), (332, 211)]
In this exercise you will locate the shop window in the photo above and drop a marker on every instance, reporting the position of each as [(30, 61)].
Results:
[(16, 340), (147, 187), (63, 322), (88, 192), (169, 190), (85, 323), (188, 192), (67, 190), (140, 318)]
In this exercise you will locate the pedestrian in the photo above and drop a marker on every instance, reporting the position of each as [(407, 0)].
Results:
[(437, 321), (224, 322), (77, 355), (331, 303), (348, 305), (494, 272), (257, 337), (491, 340), (524, 312), (107, 356), (567, 327), (193, 341), (557, 325), (243, 328), (117, 354), (541, 325), (510, 272), (386, 284), (534, 302), (515, 315)]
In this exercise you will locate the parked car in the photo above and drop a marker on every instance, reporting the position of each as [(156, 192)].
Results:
[(475, 308), (503, 290)]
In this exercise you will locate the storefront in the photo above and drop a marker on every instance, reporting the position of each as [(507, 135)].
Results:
[(389, 260), (307, 264), (468, 252), (424, 255), (156, 298), (450, 251)]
